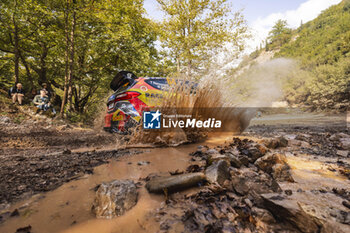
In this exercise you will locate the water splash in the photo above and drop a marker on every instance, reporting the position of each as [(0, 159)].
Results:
[(199, 104)]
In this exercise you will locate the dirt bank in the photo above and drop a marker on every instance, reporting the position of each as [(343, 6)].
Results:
[(36, 154)]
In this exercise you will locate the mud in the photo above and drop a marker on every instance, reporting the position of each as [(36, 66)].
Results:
[(320, 187), (68, 208), (39, 155)]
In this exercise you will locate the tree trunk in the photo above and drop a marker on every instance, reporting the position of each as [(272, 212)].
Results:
[(66, 56), (16, 44), (29, 75), (178, 64), (43, 69), (71, 65)]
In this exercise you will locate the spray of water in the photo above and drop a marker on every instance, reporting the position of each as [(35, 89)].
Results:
[(206, 101), (231, 95)]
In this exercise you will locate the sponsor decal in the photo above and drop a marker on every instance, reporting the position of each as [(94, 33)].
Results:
[(144, 88)]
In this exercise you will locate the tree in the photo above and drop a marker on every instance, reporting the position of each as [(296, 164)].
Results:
[(69, 25), (13, 31), (194, 31), (75, 46), (280, 33)]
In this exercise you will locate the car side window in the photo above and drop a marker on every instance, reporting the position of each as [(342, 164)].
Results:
[(158, 83)]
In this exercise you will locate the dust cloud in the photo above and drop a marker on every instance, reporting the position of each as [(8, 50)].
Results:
[(261, 85)]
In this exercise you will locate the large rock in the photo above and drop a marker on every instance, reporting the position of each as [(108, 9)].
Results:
[(234, 160), (345, 143), (281, 172), (298, 143), (274, 143), (218, 172), (245, 181), (275, 164), (263, 215), (266, 162), (338, 136), (256, 152), (174, 183), (288, 210), (214, 158), (114, 198)]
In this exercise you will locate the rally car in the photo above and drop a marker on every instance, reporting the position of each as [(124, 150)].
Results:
[(133, 95)]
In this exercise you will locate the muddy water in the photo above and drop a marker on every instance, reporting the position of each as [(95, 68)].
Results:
[(314, 180), (68, 208)]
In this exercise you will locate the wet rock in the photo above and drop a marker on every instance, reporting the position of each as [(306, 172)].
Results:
[(212, 151), (288, 210), (343, 153), (274, 143), (214, 158), (246, 181), (114, 198), (281, 172), (142, 163), (248, 202), (174, 183), (200, 152), (303, 137), (4, 216), (234, 161), (26, 229), (345, 143), (275, 164), (288, 192), (338, 136), (346, 204), (244, 160), (14, 213), (332, 226), (254, 153), (266, 162), (341, 216), (218, 172), (67, 151), (263, 215)]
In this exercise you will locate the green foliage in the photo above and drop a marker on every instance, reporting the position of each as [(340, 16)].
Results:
[(194, 31), (324, 40), (279, 34), (110, 35), (323, 48)]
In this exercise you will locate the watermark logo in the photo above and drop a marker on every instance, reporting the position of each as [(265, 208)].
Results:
[(157, 120), (151, 120)]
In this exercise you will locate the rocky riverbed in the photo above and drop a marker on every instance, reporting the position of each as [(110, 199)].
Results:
[(258, 192), (290, 177)]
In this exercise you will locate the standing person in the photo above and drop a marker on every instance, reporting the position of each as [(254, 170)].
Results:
[(17, 94)]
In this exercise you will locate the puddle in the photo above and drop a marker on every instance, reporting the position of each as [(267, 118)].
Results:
[(316, 173), (68, 208)]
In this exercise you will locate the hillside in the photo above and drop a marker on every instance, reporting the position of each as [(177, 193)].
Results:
[(320, 51)]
